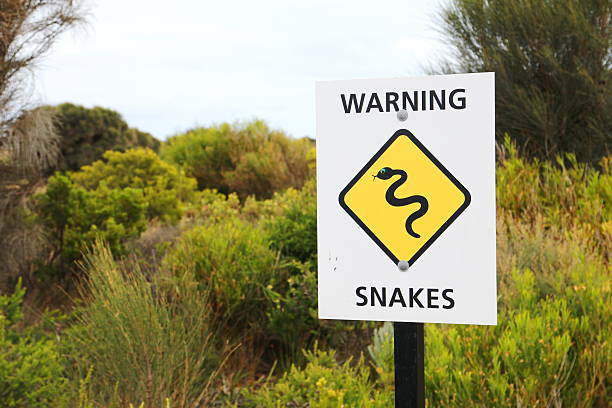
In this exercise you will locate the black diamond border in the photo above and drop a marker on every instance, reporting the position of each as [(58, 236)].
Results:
[(466, 193)]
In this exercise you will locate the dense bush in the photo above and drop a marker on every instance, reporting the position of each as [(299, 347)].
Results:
[(87, 133), (203, 153), (322, 383), (75, 217), (382, 354), (249, 159), (234, 265), (552, 69), (164, 187), (31, 367), (110, 200), (565, 194), (293, 230), (292, 316)]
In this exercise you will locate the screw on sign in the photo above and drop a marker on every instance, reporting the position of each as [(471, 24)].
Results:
[(402, 115), (409, 214)]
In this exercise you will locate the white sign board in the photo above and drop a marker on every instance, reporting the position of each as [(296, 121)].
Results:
[(406, 203)]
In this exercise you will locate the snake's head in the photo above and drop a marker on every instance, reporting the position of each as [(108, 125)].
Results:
[(384, 174)]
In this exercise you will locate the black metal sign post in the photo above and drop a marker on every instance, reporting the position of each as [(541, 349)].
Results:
[(409, 355)]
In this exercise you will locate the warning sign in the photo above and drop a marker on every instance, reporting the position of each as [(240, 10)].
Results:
[(404, 198)]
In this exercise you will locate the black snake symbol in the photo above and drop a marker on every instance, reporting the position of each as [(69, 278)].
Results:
[(385, 174)]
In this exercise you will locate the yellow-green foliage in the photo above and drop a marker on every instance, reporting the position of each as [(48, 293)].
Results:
[(551, 351), (164, 187), (273, 301), (382, 354), (542, 353), (75, 217), (203, 153), (111, 199), (234, 265), (323, 383), (292, 317), (31, 368), (248, 267), (566, 193), (249, 158), (293, 229)]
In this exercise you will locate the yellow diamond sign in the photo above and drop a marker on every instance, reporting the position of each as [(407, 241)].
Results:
[(404, 198)]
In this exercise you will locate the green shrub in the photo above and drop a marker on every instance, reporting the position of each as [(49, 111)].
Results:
[(111, 200), (203, 153), (564, 194), (215, 207), (322, 383), (545, 352), (164, 187), (279, 306), (234, 265), (382, 354), (293, 231), (86, 133), (539, 357), (293, 317), (75, 217), (249, 159), (138, 341), (31, 367)]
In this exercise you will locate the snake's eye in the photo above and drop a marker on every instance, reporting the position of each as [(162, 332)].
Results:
[(383, 171)]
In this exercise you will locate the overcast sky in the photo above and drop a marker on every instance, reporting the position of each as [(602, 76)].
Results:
[(167, 66)]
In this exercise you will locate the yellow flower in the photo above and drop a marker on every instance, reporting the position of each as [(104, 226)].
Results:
[(321, 382)]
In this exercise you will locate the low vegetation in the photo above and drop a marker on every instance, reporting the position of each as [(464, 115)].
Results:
[(224, 312)]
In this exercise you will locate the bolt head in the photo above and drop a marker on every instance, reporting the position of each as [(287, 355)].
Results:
[(403, 266), (402, 115)]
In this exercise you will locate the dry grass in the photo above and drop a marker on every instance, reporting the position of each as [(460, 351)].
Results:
[(144, 342)]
